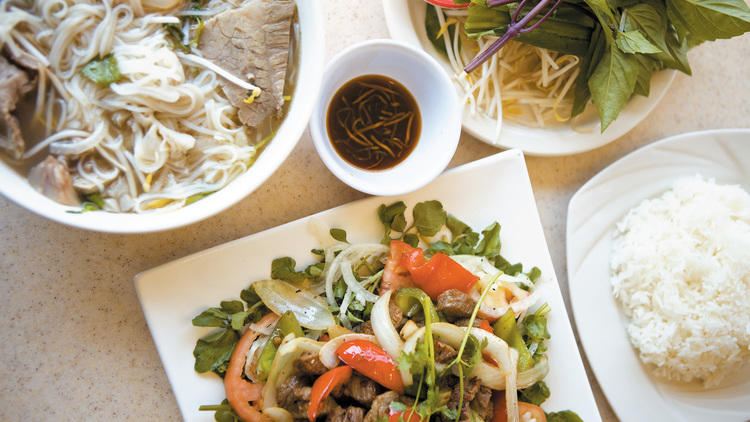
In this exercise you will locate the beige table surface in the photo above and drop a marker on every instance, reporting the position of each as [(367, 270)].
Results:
[(74, 344)]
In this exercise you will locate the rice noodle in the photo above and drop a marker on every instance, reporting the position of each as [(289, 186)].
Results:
[(177, 126)]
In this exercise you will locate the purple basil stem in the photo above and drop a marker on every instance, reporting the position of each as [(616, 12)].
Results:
[(513, 30)]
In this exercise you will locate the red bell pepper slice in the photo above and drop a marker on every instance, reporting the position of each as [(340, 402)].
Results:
[(438, 274), (373, 362), (323, 386)]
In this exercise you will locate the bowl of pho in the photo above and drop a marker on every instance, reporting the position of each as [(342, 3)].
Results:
[(138, 116)]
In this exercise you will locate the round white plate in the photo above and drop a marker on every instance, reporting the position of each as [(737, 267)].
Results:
[(405, 19), (593, 212)]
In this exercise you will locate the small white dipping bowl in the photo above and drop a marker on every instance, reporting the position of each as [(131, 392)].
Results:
[(438, 106)]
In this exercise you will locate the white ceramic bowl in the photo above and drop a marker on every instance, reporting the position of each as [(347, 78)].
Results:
[(405, 19), (435, 97), (312, 53)]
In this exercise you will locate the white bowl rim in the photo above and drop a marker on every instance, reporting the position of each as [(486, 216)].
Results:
[(320, 137), (311, 52)]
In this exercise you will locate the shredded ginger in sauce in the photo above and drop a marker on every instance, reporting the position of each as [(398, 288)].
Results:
[(373, 122)]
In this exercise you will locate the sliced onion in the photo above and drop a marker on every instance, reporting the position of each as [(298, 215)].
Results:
[(335, 270), (283, 365), (511, 392), (309, 309), (330, 255), (278, 414), (408, 329), (251, 359), (327, 353), (410, 345), (481, 267), (488, 312), (492, 377), (383, 327)]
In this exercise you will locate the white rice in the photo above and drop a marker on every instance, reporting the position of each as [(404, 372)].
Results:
[(680, 266)]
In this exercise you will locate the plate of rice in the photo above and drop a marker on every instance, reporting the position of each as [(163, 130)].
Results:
[(658, 254)]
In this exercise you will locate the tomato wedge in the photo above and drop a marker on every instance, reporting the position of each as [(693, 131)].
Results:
[(438, 274), (239, 391), (323, 386), (447, 4), (501, 413), (395, 275), (373, 362)]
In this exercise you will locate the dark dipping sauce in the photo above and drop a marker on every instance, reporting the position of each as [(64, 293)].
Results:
[(373, 122)]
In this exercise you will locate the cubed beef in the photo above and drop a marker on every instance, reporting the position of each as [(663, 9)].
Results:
[(455, 304), (359, 388), (365, 328), (350, 414), (444, 353), (310, 364)]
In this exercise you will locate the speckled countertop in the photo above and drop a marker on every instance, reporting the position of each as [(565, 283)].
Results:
[(74, 342)]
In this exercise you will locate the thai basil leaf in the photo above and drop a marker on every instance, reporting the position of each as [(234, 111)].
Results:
[(708, 20), (634, 41), (432, 28), (651, 20), (581, 92), (612, 83), (646, 68)]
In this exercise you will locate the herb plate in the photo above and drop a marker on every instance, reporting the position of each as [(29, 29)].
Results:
[(593, 212), (172, 294), (405, 19)]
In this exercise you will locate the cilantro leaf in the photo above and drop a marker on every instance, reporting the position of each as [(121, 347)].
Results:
[(464, 238), (339, 234), (212, 352), (283, 269), (392, 217), (232, 306), (429, 217), (212, 317), (490, 244)]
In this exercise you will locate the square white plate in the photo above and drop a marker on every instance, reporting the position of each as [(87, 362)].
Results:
[(593, 212), (496, 188)]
